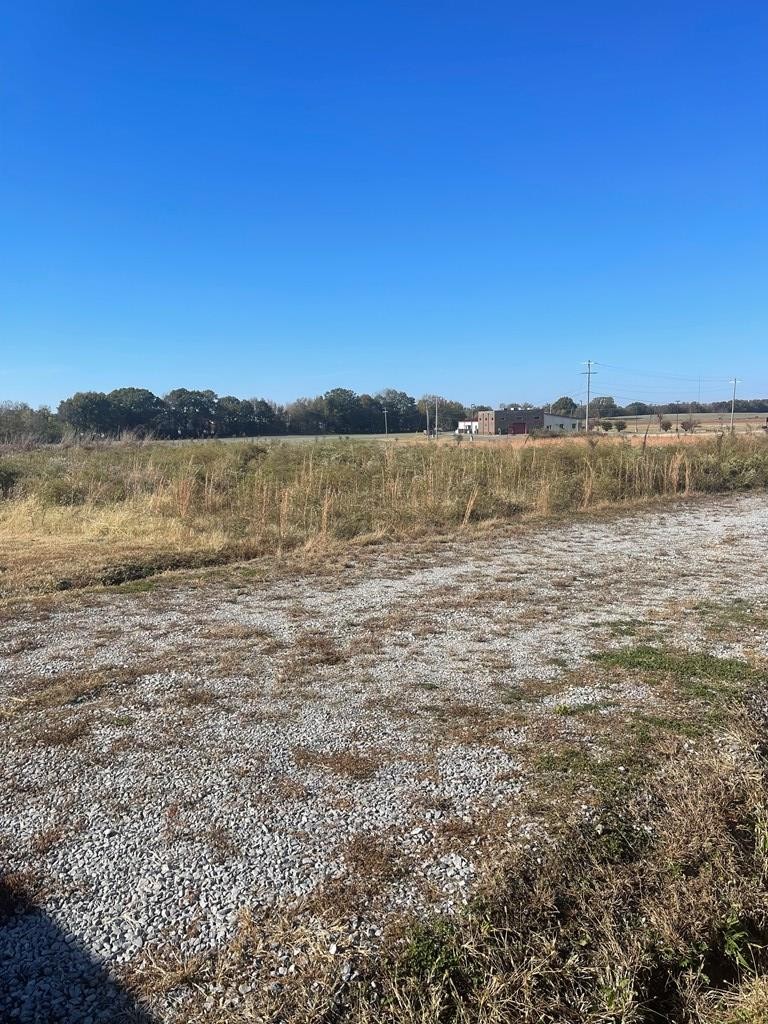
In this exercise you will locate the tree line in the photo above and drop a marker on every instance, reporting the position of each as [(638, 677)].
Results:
[(184, 413), (602, 406)]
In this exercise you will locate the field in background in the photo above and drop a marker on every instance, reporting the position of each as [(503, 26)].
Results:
[(706, 423), (72, 516)]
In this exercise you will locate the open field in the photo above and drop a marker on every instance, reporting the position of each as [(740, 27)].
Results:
[(372, 793), (706, 422), (76, 516)]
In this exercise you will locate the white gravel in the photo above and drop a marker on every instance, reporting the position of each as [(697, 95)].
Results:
[(229, 771)]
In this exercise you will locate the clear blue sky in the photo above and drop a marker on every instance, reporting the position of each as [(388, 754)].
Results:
[(277, 198)]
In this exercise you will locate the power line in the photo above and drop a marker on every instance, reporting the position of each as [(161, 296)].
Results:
[(665, 376)]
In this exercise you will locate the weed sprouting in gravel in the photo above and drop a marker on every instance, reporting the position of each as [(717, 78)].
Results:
[(197, 697), (341, 762), (62, 732), (19, 891)]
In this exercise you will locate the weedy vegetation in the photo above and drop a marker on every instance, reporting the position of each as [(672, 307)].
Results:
[(651, 907), (115, 515)]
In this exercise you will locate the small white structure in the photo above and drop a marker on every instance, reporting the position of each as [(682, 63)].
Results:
[(566, 424), (466, 427)]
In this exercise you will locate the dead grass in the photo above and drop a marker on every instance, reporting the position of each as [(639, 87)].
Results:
[(221, 843), (313, 647), (61, 732), (49, 838), (19, 892), (651, 906), (197, 697), (374, 858), (120, 515), (360, 767), (49, 693)]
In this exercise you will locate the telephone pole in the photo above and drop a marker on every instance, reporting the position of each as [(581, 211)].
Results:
[(386, 430), (436, 429), (733, 401), (589, 374)]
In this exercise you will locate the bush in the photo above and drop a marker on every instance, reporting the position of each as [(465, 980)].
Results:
[(9, 474)]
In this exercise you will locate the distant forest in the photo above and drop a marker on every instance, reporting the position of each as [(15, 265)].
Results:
[(196, 414)]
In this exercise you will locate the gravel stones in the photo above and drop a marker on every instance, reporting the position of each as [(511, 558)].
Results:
[(241, 740)]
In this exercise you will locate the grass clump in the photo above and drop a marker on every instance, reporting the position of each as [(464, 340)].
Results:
[(652, 910)]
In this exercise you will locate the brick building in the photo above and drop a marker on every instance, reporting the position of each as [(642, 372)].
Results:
[(524, 421)]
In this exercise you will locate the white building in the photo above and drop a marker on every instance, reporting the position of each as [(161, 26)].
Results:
[(566, 424), (466, 427)]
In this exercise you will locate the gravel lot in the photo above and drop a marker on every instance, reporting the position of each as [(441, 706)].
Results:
[(346, 739)]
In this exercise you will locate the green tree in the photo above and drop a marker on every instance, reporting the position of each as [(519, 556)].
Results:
[(306, 416), (90, 412), (449, 412), (138, 409), (268, 418), (564, 406), (637, 409), (342, 411), (192, 413), (604, 405), (402, 412), (233, 417), (19, 420)]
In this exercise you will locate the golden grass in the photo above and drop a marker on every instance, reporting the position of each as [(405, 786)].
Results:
[(79, 516)]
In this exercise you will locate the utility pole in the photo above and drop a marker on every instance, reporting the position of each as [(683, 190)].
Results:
[(733, 401), (426, 408), (386, 429), (436, 428), (588, 373)]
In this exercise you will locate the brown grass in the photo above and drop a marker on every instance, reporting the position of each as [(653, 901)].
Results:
[(61, 733), (46, 693), (343, 762), (119, 515), (48, 838), (197, 697), (19, 892), (652, 907)]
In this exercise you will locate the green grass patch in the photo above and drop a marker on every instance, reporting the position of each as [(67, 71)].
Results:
[(648, 728), (738, 613), (694, 671)]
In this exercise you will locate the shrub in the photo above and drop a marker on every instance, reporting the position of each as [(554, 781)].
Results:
[(9, 474)]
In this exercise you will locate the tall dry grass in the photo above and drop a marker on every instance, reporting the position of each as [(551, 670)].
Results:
[(253, 498)]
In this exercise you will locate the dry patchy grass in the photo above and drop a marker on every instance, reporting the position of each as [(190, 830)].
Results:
[(119, 515), (342, 762)]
